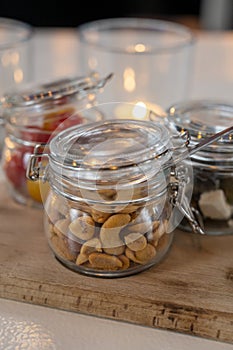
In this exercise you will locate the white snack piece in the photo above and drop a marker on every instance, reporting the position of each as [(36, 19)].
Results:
[(213, 205)]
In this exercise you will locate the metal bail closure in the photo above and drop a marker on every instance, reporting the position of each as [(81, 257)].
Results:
[(180, 200), (35, 165), (192, 215)]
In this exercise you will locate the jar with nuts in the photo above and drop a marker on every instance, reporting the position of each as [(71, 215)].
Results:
[(212, 197), (112, 206), (34, 114)]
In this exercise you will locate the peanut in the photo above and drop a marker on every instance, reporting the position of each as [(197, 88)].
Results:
[(90, 246), (116, 221), (73, 246), (141, 256), (142, 227), (83, 227), (108, 194), (128, 209), (131, 255), (61, 227), (110, 230), (99, 216), (61, 248), (135, 241), (125, 260), (153, 236), (140, 192), (81, 259), (104, 261), (159, 230), (115, 250), (146, 254)]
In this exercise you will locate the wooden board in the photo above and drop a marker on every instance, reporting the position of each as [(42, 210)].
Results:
[(190, 291)]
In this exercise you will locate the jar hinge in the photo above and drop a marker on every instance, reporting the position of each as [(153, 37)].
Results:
[(35, 166), (184, 135), (180, 200)]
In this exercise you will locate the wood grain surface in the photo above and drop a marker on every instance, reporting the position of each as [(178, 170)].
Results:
[(190, 291)]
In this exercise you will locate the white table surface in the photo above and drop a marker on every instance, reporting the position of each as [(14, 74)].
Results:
[(31, 327)]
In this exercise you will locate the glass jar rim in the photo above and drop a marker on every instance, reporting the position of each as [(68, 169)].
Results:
[(180, 35), (34, 94), (203, 118), (22, 32)]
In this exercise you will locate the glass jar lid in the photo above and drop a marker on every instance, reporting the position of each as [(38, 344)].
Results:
[(110, 144), (123, 151), (36, 94), (203, 118)]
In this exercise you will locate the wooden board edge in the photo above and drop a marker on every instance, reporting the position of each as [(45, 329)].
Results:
[(187, 320)]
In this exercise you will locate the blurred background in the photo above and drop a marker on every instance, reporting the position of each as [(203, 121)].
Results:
[(197, 14)]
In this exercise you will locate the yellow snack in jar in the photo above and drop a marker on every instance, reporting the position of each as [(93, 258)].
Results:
[(37, 190)]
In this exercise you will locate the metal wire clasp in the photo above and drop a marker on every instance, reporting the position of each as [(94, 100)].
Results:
[(36, 165), (180, 200)]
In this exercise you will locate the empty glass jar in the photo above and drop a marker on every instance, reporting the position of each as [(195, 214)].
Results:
[(34, 114), (114, 195), (212, 197)]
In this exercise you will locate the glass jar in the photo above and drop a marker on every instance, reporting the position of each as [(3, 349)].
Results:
[(34, 115), (114, 195), (212, 197)]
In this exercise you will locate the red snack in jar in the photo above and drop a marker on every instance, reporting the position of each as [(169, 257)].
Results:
[(15, 166), (54, 119), (35, 134), (33, 115)]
